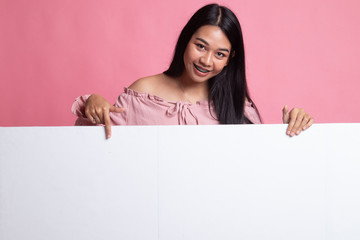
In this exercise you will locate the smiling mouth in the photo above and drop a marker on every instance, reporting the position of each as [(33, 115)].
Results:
[(201, 70)]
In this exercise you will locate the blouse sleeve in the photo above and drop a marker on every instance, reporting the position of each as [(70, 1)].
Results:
[(251, 113), (78, 109)]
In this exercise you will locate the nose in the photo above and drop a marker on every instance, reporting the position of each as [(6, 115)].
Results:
[(206, 59)]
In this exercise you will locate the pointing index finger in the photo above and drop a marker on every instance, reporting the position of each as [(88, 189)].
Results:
[(107, 122)]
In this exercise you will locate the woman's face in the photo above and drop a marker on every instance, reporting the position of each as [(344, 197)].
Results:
[(206, 54)]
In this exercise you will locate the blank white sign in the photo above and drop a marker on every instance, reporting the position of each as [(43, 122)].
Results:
[(180, 182)]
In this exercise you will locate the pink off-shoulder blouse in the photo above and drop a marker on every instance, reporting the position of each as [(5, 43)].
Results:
[(147, 109)]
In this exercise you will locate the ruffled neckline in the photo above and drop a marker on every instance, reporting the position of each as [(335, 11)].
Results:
[(160, 99)]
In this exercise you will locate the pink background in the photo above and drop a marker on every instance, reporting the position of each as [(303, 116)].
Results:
[(302, 53)]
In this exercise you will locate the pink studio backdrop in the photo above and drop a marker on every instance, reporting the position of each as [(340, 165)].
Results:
[(301, 53)]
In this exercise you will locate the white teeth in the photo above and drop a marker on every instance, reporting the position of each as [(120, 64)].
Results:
[(201, 70)]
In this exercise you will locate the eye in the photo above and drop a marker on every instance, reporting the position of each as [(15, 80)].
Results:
[(200, 46), (220, 54)]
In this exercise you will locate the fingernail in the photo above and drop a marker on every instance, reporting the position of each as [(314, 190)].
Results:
[(288, 132), (292, 134), (298, 132), (304, 127)]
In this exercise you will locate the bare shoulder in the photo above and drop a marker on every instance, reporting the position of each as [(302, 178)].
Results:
[(147, 84), (158, 85)]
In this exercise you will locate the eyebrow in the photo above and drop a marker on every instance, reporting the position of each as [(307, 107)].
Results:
[(207, 44)]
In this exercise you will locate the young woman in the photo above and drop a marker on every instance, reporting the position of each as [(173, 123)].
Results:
[(205, 83)]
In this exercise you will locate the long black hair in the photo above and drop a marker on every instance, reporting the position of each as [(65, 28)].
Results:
[(227, 90)]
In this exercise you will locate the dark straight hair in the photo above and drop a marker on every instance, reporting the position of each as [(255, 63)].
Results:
[(227, 90)]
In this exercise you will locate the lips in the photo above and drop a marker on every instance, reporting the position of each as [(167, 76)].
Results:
[(200, 69)]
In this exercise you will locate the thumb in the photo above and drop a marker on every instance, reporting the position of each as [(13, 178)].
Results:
[(116, 109), (286, 115)]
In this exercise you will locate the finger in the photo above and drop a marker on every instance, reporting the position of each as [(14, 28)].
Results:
[(116, 109), (297, 125), (96, 117), (107, 124), (291, 121), (309, 123), (89, 116), (303, 124), (286, 116), (100, 114)]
